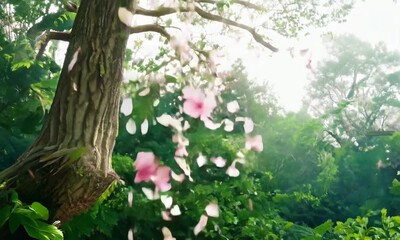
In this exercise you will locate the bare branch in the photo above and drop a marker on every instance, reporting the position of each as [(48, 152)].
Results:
[(243, 3), (150, 28), (252, 31), (162, 11), (51, 35)]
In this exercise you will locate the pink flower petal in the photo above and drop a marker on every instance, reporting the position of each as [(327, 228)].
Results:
[(181, 151), (200, 225), (145, 165), (212, 210), (166, 216), (150, 194), (232, 171), (254, 143), (161, 178), (219, 161), (184, 166), (176, 177)]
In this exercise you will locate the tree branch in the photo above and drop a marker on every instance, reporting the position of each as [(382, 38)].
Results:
[(150, 28), (166, 11), (51, 35), (252, 31), (243, 3)]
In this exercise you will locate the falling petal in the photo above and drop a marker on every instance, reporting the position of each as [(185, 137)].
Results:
[(254, 143), (130, 199), (144, 127), (251, 205), (161, 178), (166, 216), (150, 194), (239, 119), (130, 234), (146, 166), (126, 106), (131, 127), (181, 151), (201, 160), (186, 126), (167, 234), (166, 200), (200, 225), (228, 125), (233, 106), (248, 125), (74, 59), (211, 125), (175, 211), (164, 120), (219, 162), (183, 165), (212, 210), (240, 155), (176, 177), (232, 171), (125, 16), (145, 92)]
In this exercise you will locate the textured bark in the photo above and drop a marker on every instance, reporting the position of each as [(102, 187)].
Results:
[(69, 165)]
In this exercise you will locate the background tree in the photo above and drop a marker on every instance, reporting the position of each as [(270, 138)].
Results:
[(355, 90)]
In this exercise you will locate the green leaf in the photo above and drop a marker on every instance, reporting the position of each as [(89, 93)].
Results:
[(323, 228), (14, 222), (40, 210), (5, 213)]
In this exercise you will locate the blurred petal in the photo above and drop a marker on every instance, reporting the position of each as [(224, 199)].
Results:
[(201, 160), (131, 126), (161, 178), (74, 59), (150, 194), (254, 143), (166, 216), (233, 106), (167, 234), (166, 200), (210, 124), (130, 234), (145, 92), (219, 162), (144, 127), (212, 210), (145, 166), (228, 125), (232, 171), (126, 106), (176, 177), (248, 125), (125, 16), (175, 211), (200, 225), (130, 199)]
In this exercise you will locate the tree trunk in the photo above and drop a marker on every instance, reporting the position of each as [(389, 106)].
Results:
[(68, 167)]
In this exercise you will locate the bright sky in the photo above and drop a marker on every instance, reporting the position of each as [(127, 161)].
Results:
[(370, 20)]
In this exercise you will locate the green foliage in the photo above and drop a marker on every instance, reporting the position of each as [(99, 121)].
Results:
[(31, 217)]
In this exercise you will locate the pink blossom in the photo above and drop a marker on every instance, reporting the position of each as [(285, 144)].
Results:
[(219, 161), (255, 143), (197, 104), (181, 151), (161, 178), (166, 216), (212, 210), (145, 166)]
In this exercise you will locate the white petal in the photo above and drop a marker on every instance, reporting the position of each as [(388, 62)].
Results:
[(176, 177), (125, 16), (175, 211), (144, 127), (166, 200), (150, 194), (201, 160), (130, 199), (212, 210), (167, 234), (130, 234), (211, 125), (131, 127), (145, 92), (219, 162), (74, 59), (228, 125), (239, 119), (233, 106), (164, 120), (248, 125), (126, 106), (240, 155), (232, 171), (186, 126), (201, 225)]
